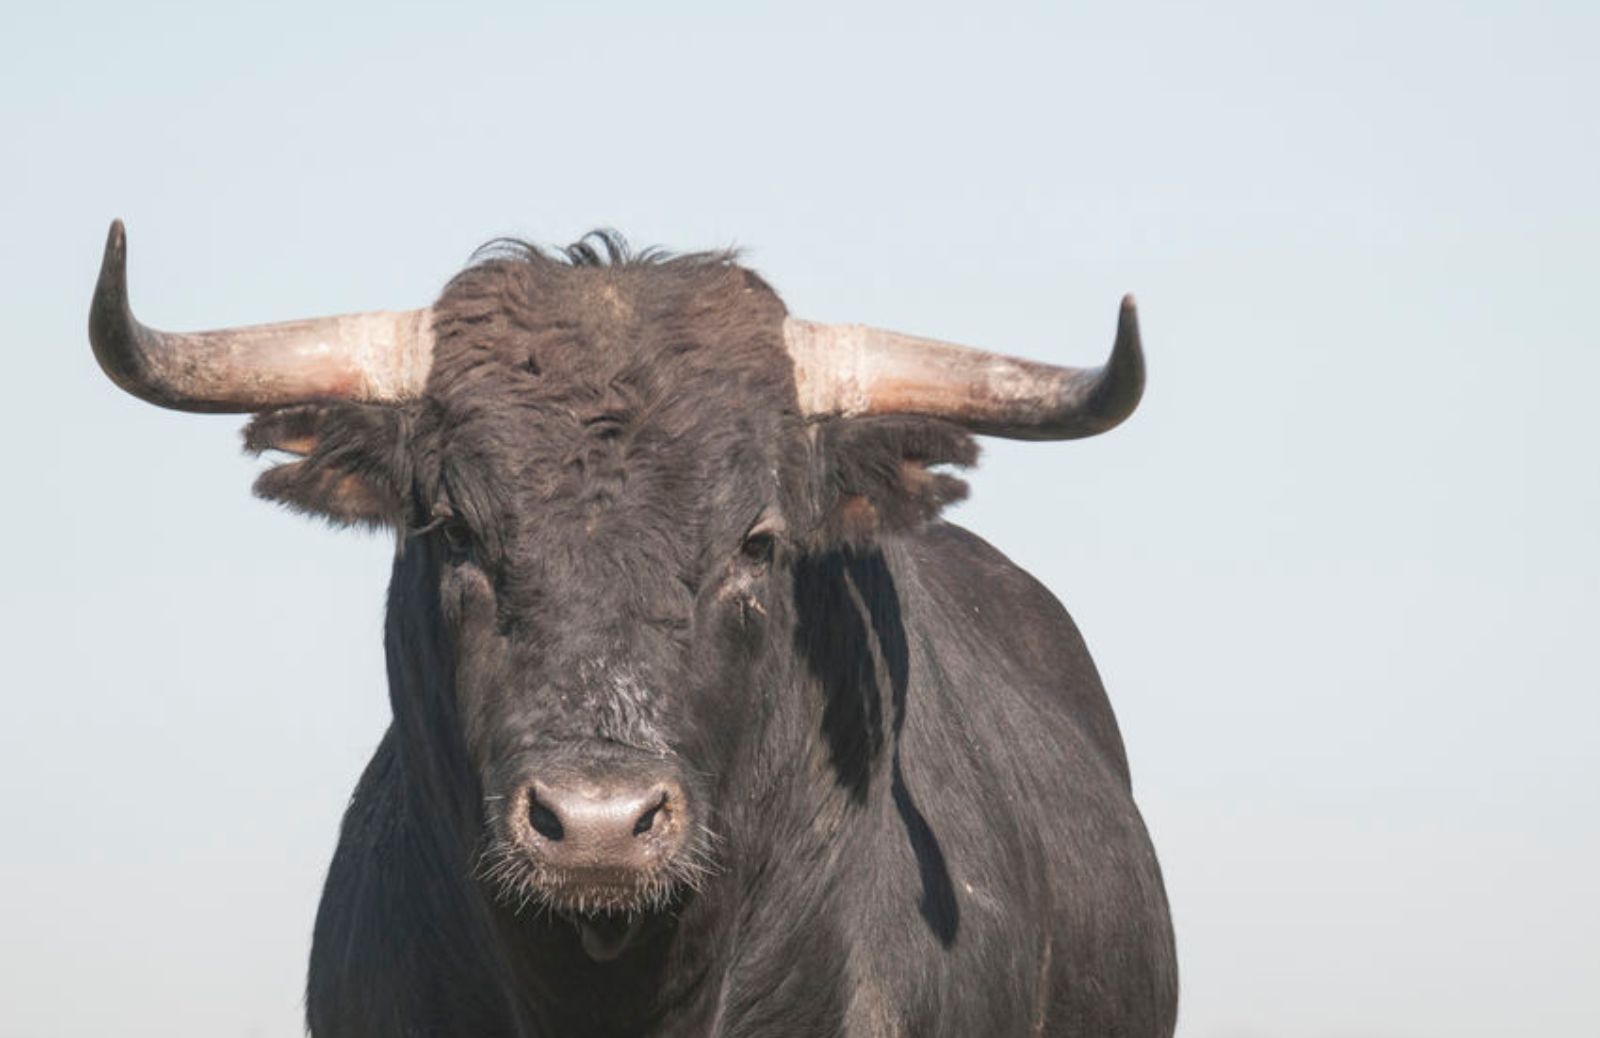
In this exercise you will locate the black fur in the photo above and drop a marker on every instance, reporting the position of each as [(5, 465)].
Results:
[(911, 802)]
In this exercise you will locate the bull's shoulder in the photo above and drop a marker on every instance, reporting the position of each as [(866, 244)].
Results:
[(979, 614), (969, 570), (1006, 842)]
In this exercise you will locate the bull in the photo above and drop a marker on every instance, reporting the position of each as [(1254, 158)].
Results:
[(704, 722)]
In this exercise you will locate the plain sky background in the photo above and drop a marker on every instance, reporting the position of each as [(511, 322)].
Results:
[(1340, 572)]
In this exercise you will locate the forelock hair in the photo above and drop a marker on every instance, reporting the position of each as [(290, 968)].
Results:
[(601, 247)]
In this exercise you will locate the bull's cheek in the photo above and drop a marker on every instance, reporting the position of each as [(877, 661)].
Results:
[(468, 602)]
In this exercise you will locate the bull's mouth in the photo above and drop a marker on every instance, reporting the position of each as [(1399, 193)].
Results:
[(608, 915), (608, 911), (606, 935), (521, 885)]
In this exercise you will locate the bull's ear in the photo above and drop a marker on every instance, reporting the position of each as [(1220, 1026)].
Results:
[(352, 467), (880, 474)]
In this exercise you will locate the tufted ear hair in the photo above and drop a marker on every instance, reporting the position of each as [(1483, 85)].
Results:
[(878, 474), (353, 467)]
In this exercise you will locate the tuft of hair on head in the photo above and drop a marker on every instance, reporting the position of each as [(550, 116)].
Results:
[(601, 247)]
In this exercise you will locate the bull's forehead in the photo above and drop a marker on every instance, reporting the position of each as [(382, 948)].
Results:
[(588, 324), (611, 423)]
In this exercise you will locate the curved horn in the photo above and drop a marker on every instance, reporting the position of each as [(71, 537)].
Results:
[(374, 356), (849, 370)]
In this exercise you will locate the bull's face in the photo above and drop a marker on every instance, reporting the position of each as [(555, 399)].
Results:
[(596, 496), (613, 489), (600, 474), (601, 550)]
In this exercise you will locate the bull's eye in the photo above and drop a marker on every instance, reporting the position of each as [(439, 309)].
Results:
[(457, 539), (761, 543), (758, 547)]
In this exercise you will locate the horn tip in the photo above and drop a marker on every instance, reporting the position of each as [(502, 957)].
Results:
[(115, 260), (1128, 316), (113, 332), (1127, 326)]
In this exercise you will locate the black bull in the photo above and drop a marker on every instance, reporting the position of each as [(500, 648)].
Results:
[(704, 722)]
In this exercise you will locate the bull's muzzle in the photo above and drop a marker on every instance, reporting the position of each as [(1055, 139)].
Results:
[(603, 848), (603, 828)]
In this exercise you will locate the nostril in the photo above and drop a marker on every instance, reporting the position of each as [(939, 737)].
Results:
[(544, 821), (647, 820)]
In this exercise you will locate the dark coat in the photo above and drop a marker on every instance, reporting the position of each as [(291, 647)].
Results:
[(620, 541)]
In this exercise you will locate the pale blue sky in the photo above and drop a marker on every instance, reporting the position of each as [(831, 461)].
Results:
[(1340, 572)]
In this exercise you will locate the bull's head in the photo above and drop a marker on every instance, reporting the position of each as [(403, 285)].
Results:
[(604, 473)]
